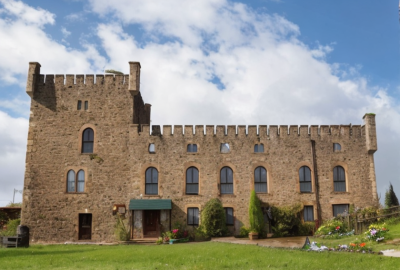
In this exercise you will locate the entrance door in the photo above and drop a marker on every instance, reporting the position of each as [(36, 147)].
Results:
[(85, 226), (151, 222)]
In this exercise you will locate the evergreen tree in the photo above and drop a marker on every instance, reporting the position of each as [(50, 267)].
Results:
[(255, 214), (391, 198)]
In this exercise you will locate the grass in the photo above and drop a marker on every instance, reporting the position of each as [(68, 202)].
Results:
[(394, 233), (205, 255)]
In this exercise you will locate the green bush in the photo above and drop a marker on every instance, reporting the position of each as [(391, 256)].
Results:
[(331, 226), (244, 232), (213, 221), (256, 215), (286, 220), (11, 230), (306, 228)]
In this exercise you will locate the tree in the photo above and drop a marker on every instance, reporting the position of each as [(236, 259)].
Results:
[(390, 197), (255, 214), (213, 220)]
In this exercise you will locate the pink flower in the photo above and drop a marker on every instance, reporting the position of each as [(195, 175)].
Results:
[(175, 231)]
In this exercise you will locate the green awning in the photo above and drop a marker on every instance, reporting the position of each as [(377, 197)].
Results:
[(156, 204)]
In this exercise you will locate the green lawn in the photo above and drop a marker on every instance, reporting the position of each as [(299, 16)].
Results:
[(206, 255)]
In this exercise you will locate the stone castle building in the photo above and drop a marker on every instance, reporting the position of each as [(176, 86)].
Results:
[(91, 153)]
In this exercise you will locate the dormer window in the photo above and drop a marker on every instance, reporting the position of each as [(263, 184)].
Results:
[(192, 148)]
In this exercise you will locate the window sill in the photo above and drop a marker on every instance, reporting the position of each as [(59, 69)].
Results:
[(266, 193), (76, 193), (192, 153), (340, 192), (152, 195), (191, 194), (304, 192), (227, 195)]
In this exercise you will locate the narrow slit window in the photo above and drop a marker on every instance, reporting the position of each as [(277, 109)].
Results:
[(86, 105), (79, 106)]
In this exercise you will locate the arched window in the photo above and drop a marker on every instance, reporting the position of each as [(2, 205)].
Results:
[(76, 182), (81, 181), (336, 147), (226, 180), (260, 179), (192, 181), (151, 181), (87, 140), (71, 181), (339, 179), (305, 179)]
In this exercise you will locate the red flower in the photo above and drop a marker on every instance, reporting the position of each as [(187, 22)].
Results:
[(362, 245), (338, 227)]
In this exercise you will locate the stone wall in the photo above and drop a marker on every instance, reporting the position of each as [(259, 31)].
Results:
[(116, 173)]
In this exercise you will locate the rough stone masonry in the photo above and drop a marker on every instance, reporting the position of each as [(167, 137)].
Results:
[(70, 195)]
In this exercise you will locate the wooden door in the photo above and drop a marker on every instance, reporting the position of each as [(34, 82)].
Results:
[(150, 223), (85, 226)]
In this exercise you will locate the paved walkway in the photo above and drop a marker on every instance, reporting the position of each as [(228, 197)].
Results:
[(285, 242)]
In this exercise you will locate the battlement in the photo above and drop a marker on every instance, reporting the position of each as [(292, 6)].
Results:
[(282, 131), (35, 79)]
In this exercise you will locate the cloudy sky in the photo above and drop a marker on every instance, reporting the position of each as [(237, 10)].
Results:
[(213, 62)]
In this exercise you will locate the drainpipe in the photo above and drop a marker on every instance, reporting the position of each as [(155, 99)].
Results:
[(319, 215)]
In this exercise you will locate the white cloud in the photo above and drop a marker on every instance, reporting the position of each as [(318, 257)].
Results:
[(23, 42), (13, 136), (65, 32), (27, 14), (270, 77)]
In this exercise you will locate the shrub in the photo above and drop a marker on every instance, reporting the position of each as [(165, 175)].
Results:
[(255, 215), (244, 232), (213, 221), (286, 220), (333, 227), (306, 228), (11, 230)]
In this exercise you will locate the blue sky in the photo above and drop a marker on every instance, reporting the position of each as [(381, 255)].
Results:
[(221, 62)]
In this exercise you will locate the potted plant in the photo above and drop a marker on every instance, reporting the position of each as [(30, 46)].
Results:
[(253, 235)]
